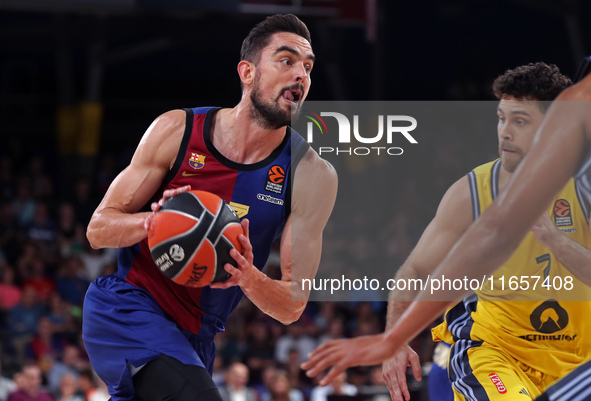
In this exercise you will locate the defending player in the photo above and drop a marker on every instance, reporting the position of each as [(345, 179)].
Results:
[(150, 338), (496, 338)]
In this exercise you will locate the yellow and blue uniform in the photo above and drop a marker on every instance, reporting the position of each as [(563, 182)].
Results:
[(511, 343)]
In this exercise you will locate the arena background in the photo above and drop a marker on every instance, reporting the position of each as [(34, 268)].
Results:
[(80, 81)]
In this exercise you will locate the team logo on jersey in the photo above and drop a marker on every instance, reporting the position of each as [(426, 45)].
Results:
[(240, 209), (275, 179), (549, 317), (562, 213), (498, 383), (197, 161)]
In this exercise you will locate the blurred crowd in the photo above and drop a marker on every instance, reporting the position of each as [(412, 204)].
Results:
[(46, 265)]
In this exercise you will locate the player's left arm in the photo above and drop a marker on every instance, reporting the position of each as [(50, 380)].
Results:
[(576, 257), (314, 194)]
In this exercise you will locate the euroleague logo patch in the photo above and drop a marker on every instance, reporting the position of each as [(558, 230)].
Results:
[(498, 383), (275, 179), (562, 213)]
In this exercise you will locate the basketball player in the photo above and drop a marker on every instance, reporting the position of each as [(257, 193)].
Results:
[(151, 339), (488, 363), (518, 121)]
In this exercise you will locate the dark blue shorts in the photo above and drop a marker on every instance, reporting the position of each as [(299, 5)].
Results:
[(123, 324)]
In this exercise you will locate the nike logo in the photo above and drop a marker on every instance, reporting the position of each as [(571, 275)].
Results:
[(185, 174)]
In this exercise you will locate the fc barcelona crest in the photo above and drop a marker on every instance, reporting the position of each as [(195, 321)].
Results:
[(197, 161)]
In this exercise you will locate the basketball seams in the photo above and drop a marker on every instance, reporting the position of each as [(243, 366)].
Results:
[(167, 243), (204, 238), (197, 222), (221, 235), (182, 214), (190, 231)]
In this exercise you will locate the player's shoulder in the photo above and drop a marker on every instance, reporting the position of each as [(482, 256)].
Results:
[(581, 91), (166, 126), (312, 163), (315, 184), (162, 139), (459, 191), (456, 204), (172, 119)]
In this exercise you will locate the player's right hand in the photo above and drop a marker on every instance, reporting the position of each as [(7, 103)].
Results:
[(155, 206), (394, 372), (344, 353)]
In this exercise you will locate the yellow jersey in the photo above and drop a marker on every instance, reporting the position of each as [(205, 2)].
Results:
[(532, 306)]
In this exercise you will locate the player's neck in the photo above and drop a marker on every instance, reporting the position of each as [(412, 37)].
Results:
[(504, 177), (236, 136)]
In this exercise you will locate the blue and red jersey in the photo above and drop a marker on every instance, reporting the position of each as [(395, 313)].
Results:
[(260, 192)]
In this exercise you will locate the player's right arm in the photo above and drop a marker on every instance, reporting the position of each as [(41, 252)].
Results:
[(116, 223), (558, 150), (453, 217)]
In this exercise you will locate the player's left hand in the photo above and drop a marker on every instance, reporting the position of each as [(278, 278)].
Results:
[(545, 230), (241, 275), (156, 206), (342, 354)]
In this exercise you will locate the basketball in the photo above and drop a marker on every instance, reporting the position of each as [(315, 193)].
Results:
[(191, 236)]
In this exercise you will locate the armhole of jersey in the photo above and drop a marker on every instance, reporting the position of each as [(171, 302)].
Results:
[(295, 160), (582, 202), (474, 195), (494, 178), (182, 150)]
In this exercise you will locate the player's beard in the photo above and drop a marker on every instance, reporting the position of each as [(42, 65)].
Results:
[(510, 165), (270, 115)]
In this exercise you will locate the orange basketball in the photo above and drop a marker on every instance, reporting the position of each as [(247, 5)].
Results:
[(191, 236)]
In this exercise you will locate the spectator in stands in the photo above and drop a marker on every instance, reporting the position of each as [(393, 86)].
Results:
[(68, 389), (37, 278), (43, 229), (71, 364), (69, 240), (68, 282), (45, 347), (22, 321), (41, 183), (297, 377), (7, 386), (84, 203), (267, 378), (101, 393), (23, 204), (280, 389), (259, 350), (339, 386), (86, 383), (10, 294), (294, 338), (29, 386), (235, 388), (336, 330), (61, 317), (94, 261)]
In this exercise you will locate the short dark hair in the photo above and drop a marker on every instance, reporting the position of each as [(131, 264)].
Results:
[(259, 36), (534, 81)]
